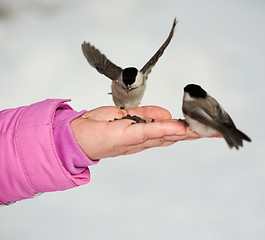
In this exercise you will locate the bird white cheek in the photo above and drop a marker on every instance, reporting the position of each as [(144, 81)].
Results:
[(186, 97), (138, 80), (200, 128)]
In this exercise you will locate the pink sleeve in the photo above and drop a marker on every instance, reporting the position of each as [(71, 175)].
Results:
[(73, 158), (29, 162)]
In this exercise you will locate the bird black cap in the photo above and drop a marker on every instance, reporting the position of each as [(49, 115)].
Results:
[(195, 91), (128, 75)]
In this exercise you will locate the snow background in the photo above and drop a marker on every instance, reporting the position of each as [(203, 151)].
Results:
[(176, 192)]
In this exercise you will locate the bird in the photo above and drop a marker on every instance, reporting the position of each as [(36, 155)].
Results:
[(128, 84), (206, 116)]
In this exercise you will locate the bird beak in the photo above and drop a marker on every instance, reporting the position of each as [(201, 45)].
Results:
[(128, 87)]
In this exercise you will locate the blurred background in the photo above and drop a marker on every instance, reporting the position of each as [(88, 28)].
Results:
[(192, 190)]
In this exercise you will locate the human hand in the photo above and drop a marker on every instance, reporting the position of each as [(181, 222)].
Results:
[(100, 138)]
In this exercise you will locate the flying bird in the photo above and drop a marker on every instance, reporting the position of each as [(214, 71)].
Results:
[(205, 116), (128, 84)]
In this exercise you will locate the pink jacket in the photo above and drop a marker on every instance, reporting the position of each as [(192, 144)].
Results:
[(29, 162)]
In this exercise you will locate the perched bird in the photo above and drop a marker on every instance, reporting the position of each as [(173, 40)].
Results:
[(205, 116), (128, 84)]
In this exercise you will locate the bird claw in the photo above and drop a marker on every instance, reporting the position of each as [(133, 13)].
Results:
[(183, 121)]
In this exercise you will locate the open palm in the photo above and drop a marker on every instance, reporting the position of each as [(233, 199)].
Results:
[(100, 137)]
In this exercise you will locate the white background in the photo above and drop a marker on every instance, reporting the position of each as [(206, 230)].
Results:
[(192, 190)]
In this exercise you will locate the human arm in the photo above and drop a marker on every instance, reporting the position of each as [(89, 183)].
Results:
[(34, 159), (29, 158)]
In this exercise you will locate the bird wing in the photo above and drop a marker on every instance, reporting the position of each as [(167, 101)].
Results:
[(207, 112), (214, 116), (219, 114), (99, 61), (148, 66)]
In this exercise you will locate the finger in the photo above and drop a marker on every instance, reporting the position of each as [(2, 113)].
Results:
[(111, 112), (104, 113), (216, 136), (147, 145), (164, 140), (139, 133), (159, 142), (149, 112)]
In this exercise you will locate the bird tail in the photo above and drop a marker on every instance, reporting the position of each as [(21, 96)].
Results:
[(233, 136)]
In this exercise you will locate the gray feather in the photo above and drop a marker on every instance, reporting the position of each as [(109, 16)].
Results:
[(233, 136), (99, 61), (148, 66), (211, 114)]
